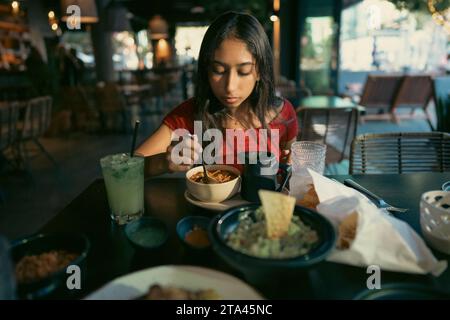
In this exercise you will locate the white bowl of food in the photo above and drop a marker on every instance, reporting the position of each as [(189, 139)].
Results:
[(228, 178)]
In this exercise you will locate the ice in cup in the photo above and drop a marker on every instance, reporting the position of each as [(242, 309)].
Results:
[(124, 181)]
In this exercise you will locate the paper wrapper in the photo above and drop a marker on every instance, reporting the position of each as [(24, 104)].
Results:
[(380, 240)]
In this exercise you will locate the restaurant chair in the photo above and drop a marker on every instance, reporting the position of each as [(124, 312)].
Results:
[(80, 102), (36, 122), (335, 127), (111, 106), (396, 153), (378, 96), (415, 91)]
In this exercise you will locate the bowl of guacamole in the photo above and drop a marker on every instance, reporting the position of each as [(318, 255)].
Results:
[(239, 237)]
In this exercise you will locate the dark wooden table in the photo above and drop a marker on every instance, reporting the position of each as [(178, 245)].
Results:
[(112, 256), (328, 102)]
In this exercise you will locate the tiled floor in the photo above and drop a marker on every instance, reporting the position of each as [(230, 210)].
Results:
[(28, 206)]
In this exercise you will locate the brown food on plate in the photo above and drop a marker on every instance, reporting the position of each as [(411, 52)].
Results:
[(157, 292), (347, 231), (221, 176), (310, 199), (197, 237), (36, 267)]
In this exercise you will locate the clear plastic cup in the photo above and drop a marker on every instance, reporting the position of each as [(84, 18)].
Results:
[(124, 182), (308, 154)]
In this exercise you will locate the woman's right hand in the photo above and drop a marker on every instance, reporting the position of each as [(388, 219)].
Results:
[(182, 155)]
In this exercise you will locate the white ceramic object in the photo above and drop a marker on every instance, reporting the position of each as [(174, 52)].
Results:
[(216, 206), (435, 219), (137, 284), (216, 192)]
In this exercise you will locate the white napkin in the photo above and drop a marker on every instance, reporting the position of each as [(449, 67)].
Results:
[(380, 240)]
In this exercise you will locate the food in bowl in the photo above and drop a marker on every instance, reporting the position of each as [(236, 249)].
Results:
[(310, 199), (158, 292), (37, 267), (214, 192), (221, 176), (347, 231), (250, 237), (197, 237)]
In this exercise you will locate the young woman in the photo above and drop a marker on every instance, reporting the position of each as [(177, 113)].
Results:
[(234, 90)]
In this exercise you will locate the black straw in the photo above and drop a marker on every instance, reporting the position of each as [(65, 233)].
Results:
[(133, 143)]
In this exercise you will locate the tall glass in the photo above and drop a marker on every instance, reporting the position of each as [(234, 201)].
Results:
[(124, 181), (308, 154)]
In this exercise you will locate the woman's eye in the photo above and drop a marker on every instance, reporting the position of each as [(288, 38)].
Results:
[(218, 71), (245, 72)]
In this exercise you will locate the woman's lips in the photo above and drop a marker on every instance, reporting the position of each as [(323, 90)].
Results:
[(230, 100)]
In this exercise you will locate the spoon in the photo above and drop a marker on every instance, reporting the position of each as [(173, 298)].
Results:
[(207, 178)]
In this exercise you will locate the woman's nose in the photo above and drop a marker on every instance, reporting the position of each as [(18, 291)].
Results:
[(231, 82)]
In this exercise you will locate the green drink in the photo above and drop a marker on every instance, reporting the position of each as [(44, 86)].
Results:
[(124, 181)]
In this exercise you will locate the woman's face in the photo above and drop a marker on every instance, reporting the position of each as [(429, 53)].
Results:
[(232, 75)]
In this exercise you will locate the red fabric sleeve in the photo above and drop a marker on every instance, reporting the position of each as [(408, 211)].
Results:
[(182, 117)]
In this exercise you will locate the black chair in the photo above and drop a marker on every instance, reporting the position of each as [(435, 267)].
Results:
[(335, 127), (400, 153)]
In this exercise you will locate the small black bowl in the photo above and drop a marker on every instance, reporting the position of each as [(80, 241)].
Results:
[(147, 233), (187, 224), (265, 269), (40, 243)]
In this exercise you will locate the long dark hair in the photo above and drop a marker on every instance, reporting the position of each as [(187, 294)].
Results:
[(246, 28)]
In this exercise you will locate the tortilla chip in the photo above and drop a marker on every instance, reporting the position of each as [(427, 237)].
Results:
[(278, 209), (347, 231), (310, 199)]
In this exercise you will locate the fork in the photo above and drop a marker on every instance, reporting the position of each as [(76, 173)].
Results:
[(379, 201)]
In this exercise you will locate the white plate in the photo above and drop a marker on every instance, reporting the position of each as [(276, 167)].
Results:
[(216, 206), (220, 206), (137, 284)]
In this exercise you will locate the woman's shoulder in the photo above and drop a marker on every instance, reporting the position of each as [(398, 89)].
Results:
[(186, 106), (182, 116), (287, 108)]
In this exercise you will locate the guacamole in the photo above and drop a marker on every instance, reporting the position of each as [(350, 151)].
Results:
[(250, 237)]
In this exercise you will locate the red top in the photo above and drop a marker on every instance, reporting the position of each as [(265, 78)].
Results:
[(182, 117)]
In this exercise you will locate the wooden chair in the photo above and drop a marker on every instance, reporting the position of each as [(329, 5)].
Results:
[(80, 102), (414, 92), (400, 153), (335, 127), (379, 94), (111, 106)]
